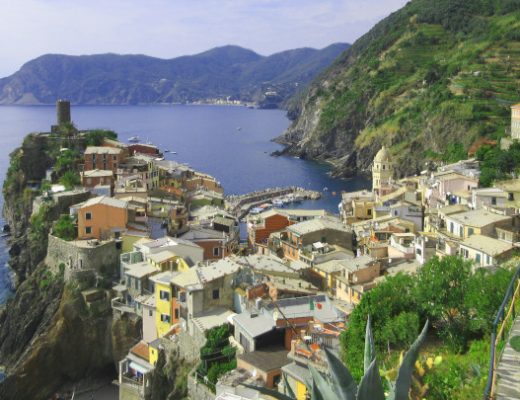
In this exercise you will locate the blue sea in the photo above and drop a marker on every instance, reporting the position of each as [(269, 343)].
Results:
[(231, 143)]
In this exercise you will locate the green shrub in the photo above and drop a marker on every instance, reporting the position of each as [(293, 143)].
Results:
[(70, 180), (64, 228)]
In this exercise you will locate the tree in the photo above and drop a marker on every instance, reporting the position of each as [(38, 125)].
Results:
[(384, 303), (482, 302), (64, 228), (441, 289), (70, 180), (160, 385), (96, 136)]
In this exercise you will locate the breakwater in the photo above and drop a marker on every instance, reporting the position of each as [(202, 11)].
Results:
[(239, 205)]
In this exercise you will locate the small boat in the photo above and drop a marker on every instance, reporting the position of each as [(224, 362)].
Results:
[(134, 139), (173, 152), (166, 151), (325, 188), (239, 128), (278, 203)]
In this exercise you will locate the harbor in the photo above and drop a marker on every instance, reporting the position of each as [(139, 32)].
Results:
[(258, 201)]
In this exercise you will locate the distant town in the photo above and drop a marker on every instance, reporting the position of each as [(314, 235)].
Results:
[(244, 311)]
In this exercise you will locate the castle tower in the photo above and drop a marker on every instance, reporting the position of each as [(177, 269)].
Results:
[(515, 122), (63, 112), (382, 171)]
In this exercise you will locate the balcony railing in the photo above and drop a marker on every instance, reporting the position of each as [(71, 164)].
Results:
[(500, 331)]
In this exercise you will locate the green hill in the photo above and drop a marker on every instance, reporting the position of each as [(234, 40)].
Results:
[(433, 73)]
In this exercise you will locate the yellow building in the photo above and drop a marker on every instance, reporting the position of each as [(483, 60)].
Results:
[(167, 260), (165, 315), (155, 347), (382, 171)]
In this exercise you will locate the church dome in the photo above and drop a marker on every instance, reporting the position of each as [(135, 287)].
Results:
[(382, 155)]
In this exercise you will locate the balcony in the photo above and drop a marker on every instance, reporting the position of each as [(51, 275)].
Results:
[(117, 304)]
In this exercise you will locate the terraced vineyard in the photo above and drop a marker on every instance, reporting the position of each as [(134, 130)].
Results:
[(433, 73)]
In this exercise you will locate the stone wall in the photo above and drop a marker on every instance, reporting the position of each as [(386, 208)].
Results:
[(198, 391), (61, 201), (189, 347), (78, 255)]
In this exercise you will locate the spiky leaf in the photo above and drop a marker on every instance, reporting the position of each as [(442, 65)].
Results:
[(404, 376), (315, 393), (371, 387), (270, 392), (370, 352), (344, 383), (323, 386), (288, 387)]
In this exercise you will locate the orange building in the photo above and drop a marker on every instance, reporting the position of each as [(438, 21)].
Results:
[(263, 225), (101, 218)]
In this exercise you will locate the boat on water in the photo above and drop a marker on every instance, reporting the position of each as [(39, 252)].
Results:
[(278, 202), (239, 128), (134, 139)]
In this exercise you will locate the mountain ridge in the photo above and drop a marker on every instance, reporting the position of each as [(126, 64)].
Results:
[(110, 78)]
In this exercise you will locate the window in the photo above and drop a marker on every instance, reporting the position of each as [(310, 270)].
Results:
[(216, 251), (216, 294), (369, 212), (164, 295), (488, 259), (88, 230), (477, 258), (452, 227), (176, 313), (165, 318), (114, 158), (493, 201), (461, 231), (88, 216), (470, 231), (150, 313), (510, 196)]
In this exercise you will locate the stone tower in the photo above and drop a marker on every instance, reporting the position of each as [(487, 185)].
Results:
[(515, 122), (63, 112), (382, 171)]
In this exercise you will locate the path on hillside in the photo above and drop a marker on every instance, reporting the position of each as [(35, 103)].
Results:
[(508, 369)]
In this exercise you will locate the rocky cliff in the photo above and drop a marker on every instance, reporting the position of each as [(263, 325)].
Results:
[(49, 336), (436, 72)]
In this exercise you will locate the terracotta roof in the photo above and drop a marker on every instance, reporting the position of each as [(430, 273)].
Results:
[(141, 351)]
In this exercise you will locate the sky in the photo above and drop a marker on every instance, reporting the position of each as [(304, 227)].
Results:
[(171, 28)]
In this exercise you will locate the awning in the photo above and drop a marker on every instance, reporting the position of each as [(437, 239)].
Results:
[(139, 368)]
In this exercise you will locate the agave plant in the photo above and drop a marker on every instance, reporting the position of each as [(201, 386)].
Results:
[(340, 385)]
